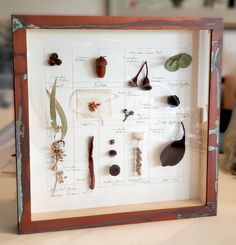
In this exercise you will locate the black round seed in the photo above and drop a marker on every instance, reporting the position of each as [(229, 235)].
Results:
[(54, 56), (112, 142), (112, 153), (58, 62), (51, 62), (173, 101), (114, 170)]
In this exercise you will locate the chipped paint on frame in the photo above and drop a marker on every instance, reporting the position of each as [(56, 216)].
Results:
[(16, 24), (19, 135)]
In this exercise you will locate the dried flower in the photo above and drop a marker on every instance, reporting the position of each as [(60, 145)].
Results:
[(93, 106)]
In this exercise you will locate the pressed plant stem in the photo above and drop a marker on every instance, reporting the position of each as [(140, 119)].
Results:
[(56, 180), (136, 77), (91, 163), (145, 63)]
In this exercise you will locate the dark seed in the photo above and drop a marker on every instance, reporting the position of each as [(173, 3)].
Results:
[(54, 56), (112, 142), (112, 153), (173, 101), (51, 62), (114, 170), (131, 113), (58, 62)]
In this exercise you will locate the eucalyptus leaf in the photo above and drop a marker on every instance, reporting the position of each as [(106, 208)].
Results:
[(62, 116), (53, 106), (63, 119), (177, 61), (185, 60), (172, 65)]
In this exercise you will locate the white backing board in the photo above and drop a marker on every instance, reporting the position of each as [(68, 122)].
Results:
[(125, 52)]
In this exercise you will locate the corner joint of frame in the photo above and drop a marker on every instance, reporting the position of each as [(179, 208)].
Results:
[(211, 206), (17, 24)]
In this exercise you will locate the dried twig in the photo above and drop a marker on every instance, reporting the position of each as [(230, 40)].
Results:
[(91, 164)]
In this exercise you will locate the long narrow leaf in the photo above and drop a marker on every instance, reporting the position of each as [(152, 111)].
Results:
[(53, 106), (63, 119), (62, 116)]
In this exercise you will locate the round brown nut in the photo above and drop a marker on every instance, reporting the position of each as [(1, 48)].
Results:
[(101, 64), (112, 142), (54, 56), (51, 62), (58, 62), (114, 170), (112, 153)]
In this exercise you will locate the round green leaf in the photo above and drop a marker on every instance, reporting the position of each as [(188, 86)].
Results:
[(172, 64), (185, 60)]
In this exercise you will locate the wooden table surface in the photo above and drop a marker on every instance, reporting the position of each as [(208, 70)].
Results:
[(219, 230)]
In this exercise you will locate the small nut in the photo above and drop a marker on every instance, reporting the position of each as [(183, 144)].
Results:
[(114, 170), (112, 153), (58, 62), (51, 62), (112, 142), (101, 64), (54, 56)]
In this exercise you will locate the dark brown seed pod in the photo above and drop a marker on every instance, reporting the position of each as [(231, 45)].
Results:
[(112, 153), (173, 101), (101, 64), (58, 62), (114, 170), (54, 56), (174, 152), (51, 62), (112, 142), (146, 84)]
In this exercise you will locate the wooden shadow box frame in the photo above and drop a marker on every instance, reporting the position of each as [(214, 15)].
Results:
[(21, 24)]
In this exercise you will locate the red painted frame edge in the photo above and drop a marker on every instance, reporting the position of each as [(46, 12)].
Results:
[(19, 25)]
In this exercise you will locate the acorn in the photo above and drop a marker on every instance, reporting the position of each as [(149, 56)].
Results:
[(101, 64)]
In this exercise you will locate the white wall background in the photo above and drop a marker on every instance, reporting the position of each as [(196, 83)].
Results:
[(70, 7)]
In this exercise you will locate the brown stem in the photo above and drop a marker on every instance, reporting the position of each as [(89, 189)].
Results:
[(56, 180), (91, 164)]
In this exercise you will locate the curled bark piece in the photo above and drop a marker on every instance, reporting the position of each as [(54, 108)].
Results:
[(91, 165)]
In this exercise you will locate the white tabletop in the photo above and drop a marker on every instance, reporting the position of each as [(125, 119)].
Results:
[(219, 230)]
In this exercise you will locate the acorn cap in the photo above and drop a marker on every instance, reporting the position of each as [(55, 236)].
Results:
[(101, 61)]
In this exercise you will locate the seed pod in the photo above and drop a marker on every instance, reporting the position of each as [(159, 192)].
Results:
[(101, 64), (173, 101), (114, 170), (58, 62), (111, 141), (146, 84), (54, 56), (51, 62), (112, 153)]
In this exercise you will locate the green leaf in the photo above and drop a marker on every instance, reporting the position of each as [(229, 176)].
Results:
[(185, 60), (172, 65), (53, 106), (63, 119), (177, 61), (62, 116)]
